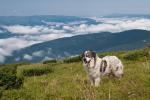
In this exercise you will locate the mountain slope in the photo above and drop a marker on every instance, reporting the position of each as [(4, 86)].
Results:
[(69, 81), (127, 40)]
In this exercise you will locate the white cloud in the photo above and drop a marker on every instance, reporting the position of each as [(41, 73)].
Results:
[(53, 36), (20, 29), (49, 51), (80, 27), (114, 26), (67, 27), (1, 31), (63, 24), (38, 53), (2, 58), (53, 23), (45, 37), (15, 43), (23, 29), (17, 59), (27, 57), (66, 53), (77, 22), (7, 46), (47, 58)]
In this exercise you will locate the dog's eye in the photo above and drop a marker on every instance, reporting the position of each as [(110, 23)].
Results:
[(87, 55)]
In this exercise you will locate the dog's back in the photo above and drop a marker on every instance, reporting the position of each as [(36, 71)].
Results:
[(112, 64)]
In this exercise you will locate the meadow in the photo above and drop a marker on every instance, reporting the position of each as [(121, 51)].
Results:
[(67, 80)]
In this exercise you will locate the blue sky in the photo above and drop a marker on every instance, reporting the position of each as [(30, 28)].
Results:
[(73, 7)]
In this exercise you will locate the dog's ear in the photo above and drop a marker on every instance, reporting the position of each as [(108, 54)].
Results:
[(93, 54)]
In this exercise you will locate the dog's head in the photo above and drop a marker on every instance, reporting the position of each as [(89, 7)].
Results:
[(88, 55)]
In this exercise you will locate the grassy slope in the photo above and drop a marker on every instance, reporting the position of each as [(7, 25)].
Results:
[(69, 81)]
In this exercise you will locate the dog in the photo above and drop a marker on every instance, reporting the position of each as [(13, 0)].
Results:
[(97, 67)]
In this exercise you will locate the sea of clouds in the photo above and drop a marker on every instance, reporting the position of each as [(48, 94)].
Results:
[(25, 35)]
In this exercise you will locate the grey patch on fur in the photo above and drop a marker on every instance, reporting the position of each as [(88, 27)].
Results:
[(103, 66), (117, 68)]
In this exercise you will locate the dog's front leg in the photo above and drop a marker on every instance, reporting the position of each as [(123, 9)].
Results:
[(97, 81), (91, 80)]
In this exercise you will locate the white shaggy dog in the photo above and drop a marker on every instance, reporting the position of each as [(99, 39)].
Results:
[(97, 67)]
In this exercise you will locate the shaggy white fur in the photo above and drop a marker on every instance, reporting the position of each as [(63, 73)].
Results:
[(112, 64), (93, 71)]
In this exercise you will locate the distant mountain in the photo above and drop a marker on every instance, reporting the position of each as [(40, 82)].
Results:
[(38, 20), (99, 42), (127, 15)]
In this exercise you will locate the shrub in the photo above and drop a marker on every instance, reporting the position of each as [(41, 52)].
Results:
[(1, 92), (10, 81), (72, 59), (136, 55), (22, 63), (36, 72), (33, 70), (8, 78), (50, 61), (8, 69)]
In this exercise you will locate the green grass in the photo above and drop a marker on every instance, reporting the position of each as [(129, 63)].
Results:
[(68, 81)]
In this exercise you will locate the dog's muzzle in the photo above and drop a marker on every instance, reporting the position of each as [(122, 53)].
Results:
[(85, 61)]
